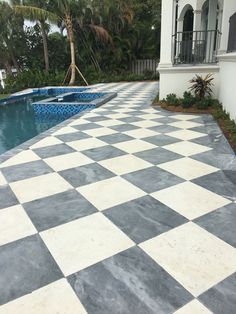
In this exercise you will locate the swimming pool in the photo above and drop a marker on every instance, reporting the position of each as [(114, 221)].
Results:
[(23, 116)]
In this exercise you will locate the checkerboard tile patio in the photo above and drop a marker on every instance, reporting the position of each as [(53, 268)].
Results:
[(123, 209)]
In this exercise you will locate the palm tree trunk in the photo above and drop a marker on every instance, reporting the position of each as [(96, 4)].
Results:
[(45, 45), (73, 68), (70, 35)]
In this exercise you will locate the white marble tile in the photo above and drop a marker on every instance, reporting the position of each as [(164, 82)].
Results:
[(65, 130), (68, 161), (150, 116), (47, 141), (2, 179), (84, 242), (185, 124), (15, 224), (79, 121), (100, 132), (185, 116), (87, 143), (20, 158), (118, 116), (146, 124), (190, 200), (134, 146), (141, 133), (187, 148), (125, 164), (186, 135), (56, 298), (110, 122), (38, 187), (188, 168), (193, 307), (194, 257), (111, 192)]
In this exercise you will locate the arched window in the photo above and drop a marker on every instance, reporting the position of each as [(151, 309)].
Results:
[(232, 34)]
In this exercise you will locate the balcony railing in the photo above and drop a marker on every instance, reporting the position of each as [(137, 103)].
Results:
[(198, 47)]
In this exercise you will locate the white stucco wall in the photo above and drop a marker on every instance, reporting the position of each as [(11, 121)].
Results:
[(227, 87), (176, 80)]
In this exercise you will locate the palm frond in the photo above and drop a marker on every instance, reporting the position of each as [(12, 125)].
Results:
[(35, 14), (101, 33)]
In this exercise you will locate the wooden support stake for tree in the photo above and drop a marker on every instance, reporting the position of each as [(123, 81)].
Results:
[(67, 73), (78, 70), (80, 73)]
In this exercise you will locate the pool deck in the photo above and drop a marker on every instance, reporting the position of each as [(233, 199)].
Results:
[(123, 209)]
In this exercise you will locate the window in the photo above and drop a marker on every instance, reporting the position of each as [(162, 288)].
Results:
[(232, 34)]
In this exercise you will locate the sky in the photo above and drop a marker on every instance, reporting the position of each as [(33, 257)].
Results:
[(28, 23)]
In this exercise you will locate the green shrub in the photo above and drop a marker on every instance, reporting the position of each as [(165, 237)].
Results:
[(188, 100), (31, 79), (172, 100), (205, 103)]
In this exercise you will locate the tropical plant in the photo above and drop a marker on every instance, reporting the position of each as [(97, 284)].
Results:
[(202, 86)]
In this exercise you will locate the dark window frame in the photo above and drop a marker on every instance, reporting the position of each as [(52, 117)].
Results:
[(232, 34)]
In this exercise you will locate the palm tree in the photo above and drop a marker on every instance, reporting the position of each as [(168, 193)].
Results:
[(42, 24), (68, 14)]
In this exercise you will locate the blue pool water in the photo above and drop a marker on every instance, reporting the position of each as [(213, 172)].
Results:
[(19, 122), (22, 117)]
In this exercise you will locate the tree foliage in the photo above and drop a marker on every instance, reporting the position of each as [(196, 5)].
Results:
[(96, 35)]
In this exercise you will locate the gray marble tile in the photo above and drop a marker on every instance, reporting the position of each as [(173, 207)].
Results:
[(221, 223), (115, 138), (158, 155), (26, 265), (86, 174), (7, 197), (102, 153), (87, 126), (52, 151), (97, 119), (152, 179), (131, 119), (76, 136), (144, 218), (124, 127), (162, 140), (221, 161), (221, 182), (25, 171), (129, 282), (165, 120), (221, 299), (57, 209), (165, 128), (218, 143)]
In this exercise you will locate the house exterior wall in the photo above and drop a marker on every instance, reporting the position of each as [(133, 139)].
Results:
[(175, 79), (227, 90)]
